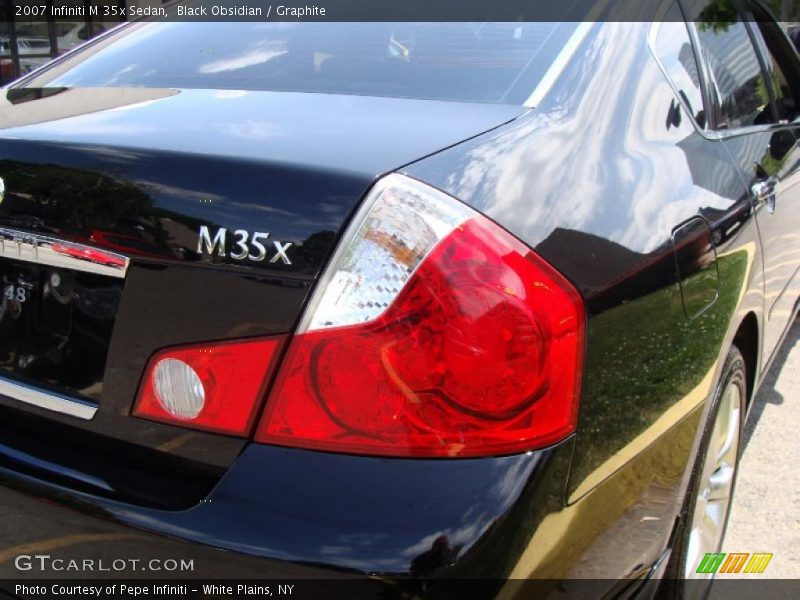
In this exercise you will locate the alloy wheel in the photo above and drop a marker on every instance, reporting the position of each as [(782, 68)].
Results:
[(716, 482)]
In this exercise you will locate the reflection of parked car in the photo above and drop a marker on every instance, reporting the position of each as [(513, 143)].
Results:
[(33, 46), (34, 38), (26, 46), (543, 282), (71, 33)]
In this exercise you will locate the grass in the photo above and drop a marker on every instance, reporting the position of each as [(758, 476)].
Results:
[(645, 356)]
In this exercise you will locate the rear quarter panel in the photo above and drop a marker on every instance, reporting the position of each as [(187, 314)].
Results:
[(596, 179)]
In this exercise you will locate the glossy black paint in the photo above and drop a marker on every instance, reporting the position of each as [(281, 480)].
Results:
[(773, 152), (155, 164), (138, 171), (96, 463), (352, 513), (648, 217), (597, 179)]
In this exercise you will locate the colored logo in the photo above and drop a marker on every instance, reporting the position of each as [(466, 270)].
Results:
[(734, 562)]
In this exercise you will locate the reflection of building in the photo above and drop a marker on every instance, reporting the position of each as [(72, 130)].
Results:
[(687, 58), (27, 42)]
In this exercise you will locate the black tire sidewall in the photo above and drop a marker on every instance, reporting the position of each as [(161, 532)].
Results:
[(734, 372)]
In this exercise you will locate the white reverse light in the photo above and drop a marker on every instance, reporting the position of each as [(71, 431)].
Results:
[(178, 388)]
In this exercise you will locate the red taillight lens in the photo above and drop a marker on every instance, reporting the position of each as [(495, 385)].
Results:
[(216, 386), (433, 336)]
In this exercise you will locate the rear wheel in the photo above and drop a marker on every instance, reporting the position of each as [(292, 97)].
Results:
[(711, 491)]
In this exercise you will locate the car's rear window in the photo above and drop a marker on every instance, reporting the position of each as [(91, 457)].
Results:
[(479, 62)]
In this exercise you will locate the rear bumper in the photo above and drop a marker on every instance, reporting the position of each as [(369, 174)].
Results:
[(285, 513)]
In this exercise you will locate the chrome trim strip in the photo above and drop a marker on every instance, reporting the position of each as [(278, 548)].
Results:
[(81, 409), (559, 64), (22, 80), (652, 40), (43, 250)]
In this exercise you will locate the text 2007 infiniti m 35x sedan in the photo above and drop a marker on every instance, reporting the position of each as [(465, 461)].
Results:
[(425, 300)]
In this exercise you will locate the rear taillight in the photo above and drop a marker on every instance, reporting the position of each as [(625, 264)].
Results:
[(434, 332), (215, 386)]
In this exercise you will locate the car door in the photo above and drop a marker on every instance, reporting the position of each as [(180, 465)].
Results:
[(757, 119), (780, 228)]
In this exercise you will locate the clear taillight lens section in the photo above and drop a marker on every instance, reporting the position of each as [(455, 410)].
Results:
[(400, 225), (178, 388), (216, 386), (433, 333)]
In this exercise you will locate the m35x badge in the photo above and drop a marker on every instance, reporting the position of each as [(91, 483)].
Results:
[(247, 245)]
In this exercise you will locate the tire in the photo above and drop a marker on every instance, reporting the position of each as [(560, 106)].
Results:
[(710, 493)]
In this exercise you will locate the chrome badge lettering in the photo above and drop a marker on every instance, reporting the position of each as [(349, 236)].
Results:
[(246, 245), (204, 241)]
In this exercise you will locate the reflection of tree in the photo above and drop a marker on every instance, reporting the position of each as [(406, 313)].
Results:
[(76, 198), (82, 202), (719, 15), (634, 379), (762, 93), (771, 165), (440, 554), (784, 10), (190, 222), (315, 249)]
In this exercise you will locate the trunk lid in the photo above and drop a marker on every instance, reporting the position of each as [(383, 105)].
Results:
[(110, 221)]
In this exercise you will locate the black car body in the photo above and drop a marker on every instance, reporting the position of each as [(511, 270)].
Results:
[(628, 168)]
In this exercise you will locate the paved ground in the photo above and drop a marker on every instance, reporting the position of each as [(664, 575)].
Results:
[(766, 510)]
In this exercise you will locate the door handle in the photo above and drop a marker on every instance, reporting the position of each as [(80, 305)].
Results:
[(764, 193)]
